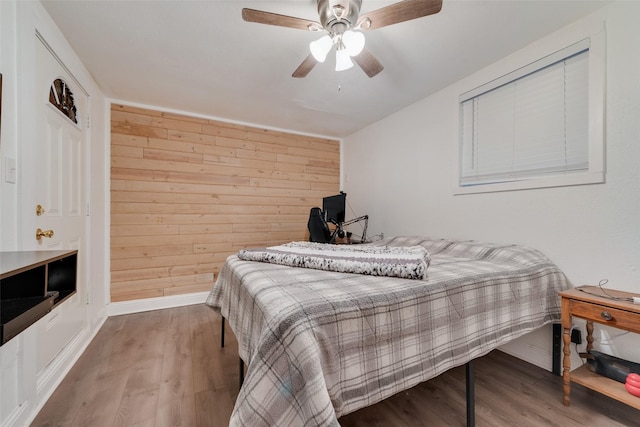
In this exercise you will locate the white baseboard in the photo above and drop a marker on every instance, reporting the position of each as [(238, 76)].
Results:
[(19, 412), (149, 304)]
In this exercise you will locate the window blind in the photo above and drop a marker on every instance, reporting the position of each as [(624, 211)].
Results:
[(532, 122)]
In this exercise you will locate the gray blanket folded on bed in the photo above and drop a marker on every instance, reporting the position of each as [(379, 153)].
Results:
[(405, 262)]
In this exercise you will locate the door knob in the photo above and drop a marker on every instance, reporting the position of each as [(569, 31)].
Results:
[(40, 234)]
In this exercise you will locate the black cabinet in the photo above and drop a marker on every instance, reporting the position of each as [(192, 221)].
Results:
[(31, 284)]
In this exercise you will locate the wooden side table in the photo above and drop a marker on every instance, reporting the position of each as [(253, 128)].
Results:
[(593, 305)]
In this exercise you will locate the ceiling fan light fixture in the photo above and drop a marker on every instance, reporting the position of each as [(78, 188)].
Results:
[(320, 48), (343, 60), (365, 24), (353, 42), (315, 27), (337, 17), (339, 11)]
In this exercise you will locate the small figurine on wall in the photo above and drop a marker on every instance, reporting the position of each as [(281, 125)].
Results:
[(62, 98)]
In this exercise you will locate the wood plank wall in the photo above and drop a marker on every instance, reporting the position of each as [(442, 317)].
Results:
[(186, 192)]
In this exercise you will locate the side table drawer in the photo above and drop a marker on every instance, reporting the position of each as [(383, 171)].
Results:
[(607, 315)]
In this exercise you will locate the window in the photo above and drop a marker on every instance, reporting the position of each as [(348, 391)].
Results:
[(537, 126)]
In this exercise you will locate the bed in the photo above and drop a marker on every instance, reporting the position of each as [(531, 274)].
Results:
[(320, 344)]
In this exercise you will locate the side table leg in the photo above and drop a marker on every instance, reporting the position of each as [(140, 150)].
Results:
[(589, 335)]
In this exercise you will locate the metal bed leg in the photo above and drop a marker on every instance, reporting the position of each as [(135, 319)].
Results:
[(557, 348), (471, 412), (241, 370), (222, 333)]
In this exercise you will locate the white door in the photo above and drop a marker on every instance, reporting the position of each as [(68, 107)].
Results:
[(53, 189)]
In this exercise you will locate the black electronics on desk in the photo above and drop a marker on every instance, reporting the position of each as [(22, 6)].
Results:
[(334, 208), (333, 212)]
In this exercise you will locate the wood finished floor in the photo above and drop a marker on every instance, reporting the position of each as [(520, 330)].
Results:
[(166, 368)]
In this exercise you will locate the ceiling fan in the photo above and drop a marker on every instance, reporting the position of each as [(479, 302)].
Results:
[(342, 21)]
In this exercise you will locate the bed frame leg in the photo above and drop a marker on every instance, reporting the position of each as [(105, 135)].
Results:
[(241, 367), (222, 333), (557, 348), (471, 412)]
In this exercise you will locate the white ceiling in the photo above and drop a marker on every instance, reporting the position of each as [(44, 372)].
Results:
[(201, 57)]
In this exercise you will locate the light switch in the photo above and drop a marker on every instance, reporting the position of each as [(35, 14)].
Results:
[(10, 170)]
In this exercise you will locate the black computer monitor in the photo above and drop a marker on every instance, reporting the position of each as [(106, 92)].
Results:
[(333, 207)]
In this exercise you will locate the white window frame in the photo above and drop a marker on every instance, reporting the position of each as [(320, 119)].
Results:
[(518, 62)]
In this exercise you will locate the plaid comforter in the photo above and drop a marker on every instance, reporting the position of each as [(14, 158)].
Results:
[(321, 344)]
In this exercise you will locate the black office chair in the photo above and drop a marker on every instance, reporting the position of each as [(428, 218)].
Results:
[(318, 228)]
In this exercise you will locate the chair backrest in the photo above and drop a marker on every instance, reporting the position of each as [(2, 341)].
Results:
[(318, 229)]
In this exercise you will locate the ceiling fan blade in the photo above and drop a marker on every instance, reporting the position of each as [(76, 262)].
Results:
[(402, 11), (261, 17), (306, 66), (368, 63)]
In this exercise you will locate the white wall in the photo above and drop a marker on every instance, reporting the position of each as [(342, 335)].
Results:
[(400, 172), (24, 389), (8, 139)]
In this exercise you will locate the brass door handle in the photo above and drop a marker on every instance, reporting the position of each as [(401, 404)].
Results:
[(40, 234)]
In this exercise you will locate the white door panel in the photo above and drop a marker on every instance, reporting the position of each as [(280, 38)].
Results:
[(57, 328), (74, 186), (56, 181), (53, 158)]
